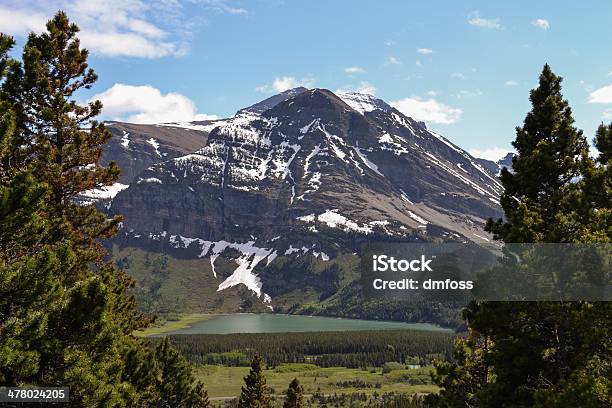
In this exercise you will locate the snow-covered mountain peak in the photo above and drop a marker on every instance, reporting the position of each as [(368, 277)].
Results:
[(307, 168), (363, 102)]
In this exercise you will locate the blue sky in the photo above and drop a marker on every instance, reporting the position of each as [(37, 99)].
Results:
[(464, 67)]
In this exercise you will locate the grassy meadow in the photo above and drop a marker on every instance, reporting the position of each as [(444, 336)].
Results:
[(224, 382)]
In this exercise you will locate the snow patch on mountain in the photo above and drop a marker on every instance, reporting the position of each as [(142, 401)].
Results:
[(103, 193), (251, 256), (417, 218), (281, 163), (324, 256), (405, 197), (362, 102), (208, 127), (366, 161), (291, 250), (306, 129), (125, 139), (155, 145), (481, 237), (149, 180), (385, 138), (333, 219), (307, 218), (241, 129)]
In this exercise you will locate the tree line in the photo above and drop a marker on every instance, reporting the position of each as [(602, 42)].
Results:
[(353, 349), (66, 315)]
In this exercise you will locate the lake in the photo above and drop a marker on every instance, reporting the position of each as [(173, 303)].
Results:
[(277, 323)]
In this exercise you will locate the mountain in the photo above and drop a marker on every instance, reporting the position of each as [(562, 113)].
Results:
[(137, 147), (495, 167), (269, 103), (506, 161), (269, 208)]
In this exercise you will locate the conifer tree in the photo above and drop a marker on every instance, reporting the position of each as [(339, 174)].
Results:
[(594, 212), (66, 317), (463, 379), (551, 153), (295, 395), (27, 291), (540, 351), (60, 138), (255, 392), (175, 384)]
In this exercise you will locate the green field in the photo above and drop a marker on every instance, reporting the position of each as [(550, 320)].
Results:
[(225, 382)]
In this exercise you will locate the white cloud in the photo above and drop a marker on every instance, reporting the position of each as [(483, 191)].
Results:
[(234, 10), (425, 51), (362, 87), (354, 70), (280, 84), (428, 110), (389, 43), (601, 95), (418, 63), (393, 61), (492, 153), (366, 87), (146, 104), (220, 6), (457, 75), (475, 20), (20, 22), (128, 45), (541, 23), (433, 93), (114, 28), (511, 83)]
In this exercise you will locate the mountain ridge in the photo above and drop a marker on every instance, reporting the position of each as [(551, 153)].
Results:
[(315, 175)]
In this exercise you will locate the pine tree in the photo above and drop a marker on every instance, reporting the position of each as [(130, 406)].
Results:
[(295, 395), (27, 291), (539, 351), (551, 153), (61, 139), (66, 316), (463, 379), (82, 344), (255, 393), (175, 384), (594, 214)]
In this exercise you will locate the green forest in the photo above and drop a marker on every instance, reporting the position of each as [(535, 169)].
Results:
[(325, 349), (68, 314)]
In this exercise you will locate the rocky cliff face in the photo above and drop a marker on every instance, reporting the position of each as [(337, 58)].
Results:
[(136, 147), (306, 173)]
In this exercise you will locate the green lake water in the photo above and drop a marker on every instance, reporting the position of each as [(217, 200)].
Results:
[(277, 323)]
